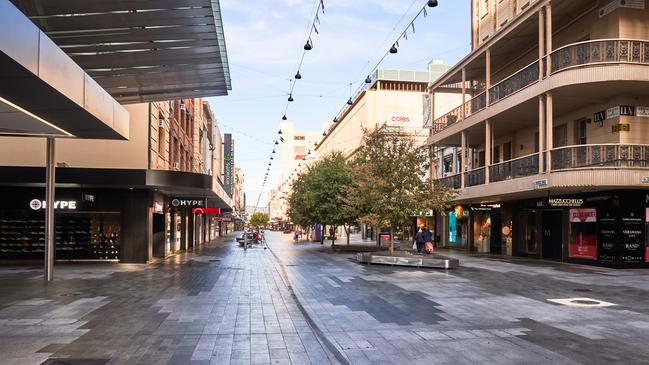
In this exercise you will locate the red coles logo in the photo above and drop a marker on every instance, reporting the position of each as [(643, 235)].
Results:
[(400, 119)]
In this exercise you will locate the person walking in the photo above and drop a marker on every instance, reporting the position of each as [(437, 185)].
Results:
[(420, 239), (428, 240)]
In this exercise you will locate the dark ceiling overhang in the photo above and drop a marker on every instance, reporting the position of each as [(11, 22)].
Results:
[(140, 50), (44, 93)]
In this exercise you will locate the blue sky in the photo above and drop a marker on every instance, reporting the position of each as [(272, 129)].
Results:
[(265, 40)]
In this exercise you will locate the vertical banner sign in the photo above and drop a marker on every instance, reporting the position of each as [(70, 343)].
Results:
[(583, 234), (631, 236), (427, 111), (228, 163), (607, 236), (646, 228)]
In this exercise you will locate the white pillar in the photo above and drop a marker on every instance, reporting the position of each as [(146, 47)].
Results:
[(548, 38), (487, 74), (549, 123), (488, 148), (541, 41), (541, 132), (462, 111), (463, 158), (50, 234)]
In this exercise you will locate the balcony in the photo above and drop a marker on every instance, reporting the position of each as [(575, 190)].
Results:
[(452, 181), (595, 53), (600, 156), (512, 169), (475, 177)]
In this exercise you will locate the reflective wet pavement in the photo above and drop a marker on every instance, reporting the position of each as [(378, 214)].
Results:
[(303, 304)]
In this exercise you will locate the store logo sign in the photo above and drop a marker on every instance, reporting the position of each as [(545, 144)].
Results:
[(37, 204), (563, 202), (400, 119), (158, 208), (181, 202)]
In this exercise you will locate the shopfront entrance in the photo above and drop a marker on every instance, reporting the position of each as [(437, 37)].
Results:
[(552, 235)]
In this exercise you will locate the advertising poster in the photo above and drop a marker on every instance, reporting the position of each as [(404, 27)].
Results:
[(646, 226), (631, 249), (607, 236), (452, 228), (583, 234)]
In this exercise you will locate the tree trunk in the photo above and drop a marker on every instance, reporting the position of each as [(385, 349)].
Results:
[(347, 229), (322, 233), (391, 240), (333, 236)]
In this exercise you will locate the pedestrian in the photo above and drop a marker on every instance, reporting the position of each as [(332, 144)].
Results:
[(428, 240), (419, 240), (296, 235)]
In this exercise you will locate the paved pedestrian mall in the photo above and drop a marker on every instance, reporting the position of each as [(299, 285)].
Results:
[(303, 304)]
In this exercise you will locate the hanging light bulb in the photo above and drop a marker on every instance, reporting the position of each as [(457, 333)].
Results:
[(308, 153), (284, 117), (368, 80), (393, 49), (324, 134), (276, 143), (432, 3), (290, 97), (335, 120), (297, 75), (349, 102), (273, 150), (308, 46), (271, 158), (280, 132)]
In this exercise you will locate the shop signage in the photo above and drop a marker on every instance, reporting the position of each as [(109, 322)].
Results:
[(188, 202), (158, 208), (644, 179), (613, 112), (424, 213), (538, 184), (599, 116), (642, 111), (37, 204), (228, 163), (632, 236), (628, 110), (607, 236), (206, 211), (646, 254), (583, 215), (87, 197), (565, 202), (621, 127), (400, 118)]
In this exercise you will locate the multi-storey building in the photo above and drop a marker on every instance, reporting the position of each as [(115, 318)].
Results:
[(549, 148), (392, 99)]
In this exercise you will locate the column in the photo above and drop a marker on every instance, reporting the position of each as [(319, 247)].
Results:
[(548, 38), (549, 123), (541, 132), (462, 110), (463, 159), (50, 234), (541, 42), (487, 74), (488, 148)]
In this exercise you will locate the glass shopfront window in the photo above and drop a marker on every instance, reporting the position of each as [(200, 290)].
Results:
[(79, 235), (583, 234), (458, 227), (506, 231), (482, 231)]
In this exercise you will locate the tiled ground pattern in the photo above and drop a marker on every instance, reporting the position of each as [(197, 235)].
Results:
[(221, 305)]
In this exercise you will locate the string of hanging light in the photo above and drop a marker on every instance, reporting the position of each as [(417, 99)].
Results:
[(392, 50)]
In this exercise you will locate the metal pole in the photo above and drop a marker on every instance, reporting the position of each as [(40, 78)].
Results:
[(50, 235)]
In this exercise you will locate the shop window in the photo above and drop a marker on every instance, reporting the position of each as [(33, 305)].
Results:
[(448, 165), (531, 246), (583, 234), (536, 143), (482, 231)]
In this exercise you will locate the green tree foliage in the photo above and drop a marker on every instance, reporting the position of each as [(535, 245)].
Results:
[(390, 180), (259, 219), (318, 194)]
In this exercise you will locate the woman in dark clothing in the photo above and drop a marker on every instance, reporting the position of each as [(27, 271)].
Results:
[(420, 239)]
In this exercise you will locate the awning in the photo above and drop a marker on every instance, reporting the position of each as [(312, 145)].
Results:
[(140, 50)]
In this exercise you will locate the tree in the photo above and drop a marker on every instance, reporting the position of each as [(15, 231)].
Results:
[(259, 219), (391, 182), (318, 194)]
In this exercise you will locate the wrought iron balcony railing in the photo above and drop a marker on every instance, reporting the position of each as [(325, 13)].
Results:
[(600, 52), (452, 181), (475, 177), (600, 155), (514, 83), (512, 169)]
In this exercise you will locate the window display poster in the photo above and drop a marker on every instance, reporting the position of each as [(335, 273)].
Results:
[(452, 228), (631, 248), (646, 228), (607, 235), (583, 234)]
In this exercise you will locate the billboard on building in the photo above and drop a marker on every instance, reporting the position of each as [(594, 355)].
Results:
[(427, 110), (228, 163)]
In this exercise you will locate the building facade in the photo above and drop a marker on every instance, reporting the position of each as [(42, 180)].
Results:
[(130, 201), (549, 147)]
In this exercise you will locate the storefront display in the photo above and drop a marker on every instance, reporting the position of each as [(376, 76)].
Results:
[(646, 235), (583, 234), (481, 230), (607, 236), (506, 231), (631, 249)]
